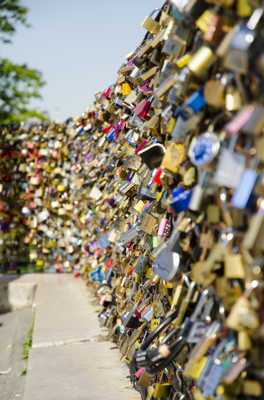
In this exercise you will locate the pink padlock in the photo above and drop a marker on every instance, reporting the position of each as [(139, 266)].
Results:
[(141, 108), (145, 86), (139, 372), (54, 154), (243, 116), (164, 228), (32, 205)]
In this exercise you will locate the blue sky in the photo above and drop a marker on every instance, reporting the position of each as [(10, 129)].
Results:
[(78, 45)]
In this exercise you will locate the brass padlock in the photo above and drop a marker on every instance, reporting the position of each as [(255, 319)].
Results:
[(201, 60), (150, 24), (233, 99)]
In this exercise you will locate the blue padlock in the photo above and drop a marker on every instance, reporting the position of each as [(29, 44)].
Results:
[(245, 188), (111, 135), (197, 100), (193, 104), (97, 275), (204, 148), (94, 272), (4, 227), (103, 221), (80, 130), (181, 199)]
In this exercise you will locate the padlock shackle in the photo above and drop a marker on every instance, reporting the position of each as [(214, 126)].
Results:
[(255, 18), (149, 339), (154, 11), (175, 348)]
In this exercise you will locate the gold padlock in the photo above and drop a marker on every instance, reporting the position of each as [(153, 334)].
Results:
[(201, 60), (243, 8), (233, 99), (150, 24), (203, 21), (162, 390), (173, 157)]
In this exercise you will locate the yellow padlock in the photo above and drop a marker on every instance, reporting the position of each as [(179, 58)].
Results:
[(39, 263), (126, 89), (60, 188)]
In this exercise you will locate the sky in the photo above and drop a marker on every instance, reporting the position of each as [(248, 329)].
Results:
[(79, 46)]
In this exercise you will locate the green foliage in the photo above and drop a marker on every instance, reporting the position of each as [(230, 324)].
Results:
[(11, 13), (19, 84), (28, 343)]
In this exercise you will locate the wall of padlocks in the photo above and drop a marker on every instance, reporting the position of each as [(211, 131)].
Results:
[(42, 203), (155, 195)]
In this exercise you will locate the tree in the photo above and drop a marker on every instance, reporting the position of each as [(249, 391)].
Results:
[(18, 83)]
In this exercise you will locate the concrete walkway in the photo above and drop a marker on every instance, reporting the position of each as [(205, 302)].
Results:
[(67, 360), (14, 327)]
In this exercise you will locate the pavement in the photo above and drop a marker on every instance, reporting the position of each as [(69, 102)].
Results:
[(14, 327), (70, 358)]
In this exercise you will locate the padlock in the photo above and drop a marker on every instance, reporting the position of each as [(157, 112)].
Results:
[(229, 161), (198, 192), (173, 157), (150, 24), (242, 315), (177, 40), (233, 100), (236, 58), (243, 191), (152, 155), (204, 148), (214, 31), (184, 9), (201, 61)]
